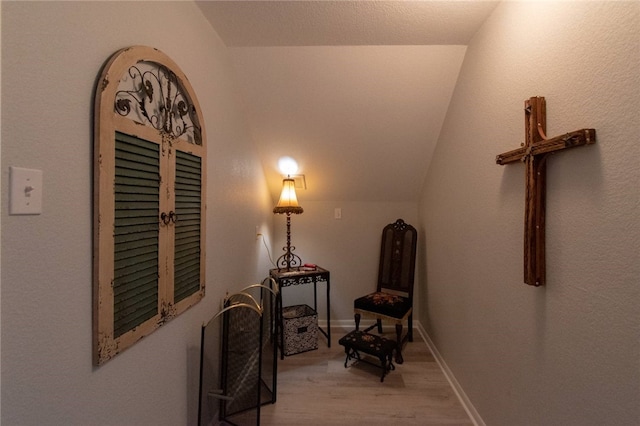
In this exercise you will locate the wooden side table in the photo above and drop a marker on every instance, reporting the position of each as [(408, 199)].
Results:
[(299, 276)]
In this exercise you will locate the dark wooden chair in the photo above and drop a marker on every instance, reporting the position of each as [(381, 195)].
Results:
[(393, 298)]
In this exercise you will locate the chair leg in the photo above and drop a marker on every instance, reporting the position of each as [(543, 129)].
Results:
[(399, 359), (379, 322), (357, 318)]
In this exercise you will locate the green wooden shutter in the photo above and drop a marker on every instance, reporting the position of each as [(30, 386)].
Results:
[(150, 168), (137, 197), (188, 192)]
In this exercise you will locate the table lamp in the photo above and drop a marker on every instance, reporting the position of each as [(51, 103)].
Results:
[(288, 204)]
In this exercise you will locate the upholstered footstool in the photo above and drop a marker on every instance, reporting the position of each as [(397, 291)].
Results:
[(377, 346)]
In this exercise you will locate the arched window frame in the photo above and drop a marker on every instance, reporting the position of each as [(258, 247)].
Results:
[(149, 185)]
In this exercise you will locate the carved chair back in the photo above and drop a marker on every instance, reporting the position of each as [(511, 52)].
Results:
[(398, 259)]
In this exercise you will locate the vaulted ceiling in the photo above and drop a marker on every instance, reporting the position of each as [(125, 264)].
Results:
[(355, 91)]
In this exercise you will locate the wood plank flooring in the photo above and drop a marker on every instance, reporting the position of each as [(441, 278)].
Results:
[(314, 388)]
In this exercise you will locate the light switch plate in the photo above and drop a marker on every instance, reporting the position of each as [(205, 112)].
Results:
[(25, 196)]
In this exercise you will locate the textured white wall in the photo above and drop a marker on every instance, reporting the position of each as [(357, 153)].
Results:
[(52, 53), (568, 353)]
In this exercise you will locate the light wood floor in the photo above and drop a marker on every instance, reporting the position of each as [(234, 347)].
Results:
[(314, 388)]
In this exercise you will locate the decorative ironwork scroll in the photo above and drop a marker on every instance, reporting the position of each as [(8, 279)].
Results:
[(152, 95)]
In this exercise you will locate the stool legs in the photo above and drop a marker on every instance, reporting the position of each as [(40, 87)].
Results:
[(386, 363), (378, 323), (399, 359), (351, 354)]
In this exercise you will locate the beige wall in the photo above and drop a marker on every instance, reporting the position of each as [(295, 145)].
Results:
[(565, 354), (52, 53), (568, 353)]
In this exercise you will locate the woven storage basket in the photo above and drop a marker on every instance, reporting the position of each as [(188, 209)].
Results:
[(300, 329)]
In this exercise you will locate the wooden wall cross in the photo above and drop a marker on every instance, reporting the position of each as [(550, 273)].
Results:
[(533, 153)]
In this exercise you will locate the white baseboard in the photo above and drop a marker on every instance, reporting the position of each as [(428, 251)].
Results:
[(462, 396), (417, 326)]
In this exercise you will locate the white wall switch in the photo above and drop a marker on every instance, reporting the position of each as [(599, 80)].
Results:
[(25, 196), (337, 213)]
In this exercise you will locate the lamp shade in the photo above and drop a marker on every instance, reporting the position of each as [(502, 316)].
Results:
[(288, 202)]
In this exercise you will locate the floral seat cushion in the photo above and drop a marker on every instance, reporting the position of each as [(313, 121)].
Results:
[(386, 304), (368, 343)]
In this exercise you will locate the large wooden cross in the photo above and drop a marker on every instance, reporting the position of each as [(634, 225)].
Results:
[(533, 153)]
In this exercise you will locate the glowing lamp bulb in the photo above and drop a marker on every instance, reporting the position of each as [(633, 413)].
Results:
[(288, 166)]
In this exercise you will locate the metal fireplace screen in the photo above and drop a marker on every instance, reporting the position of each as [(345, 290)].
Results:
[(247, 377)]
